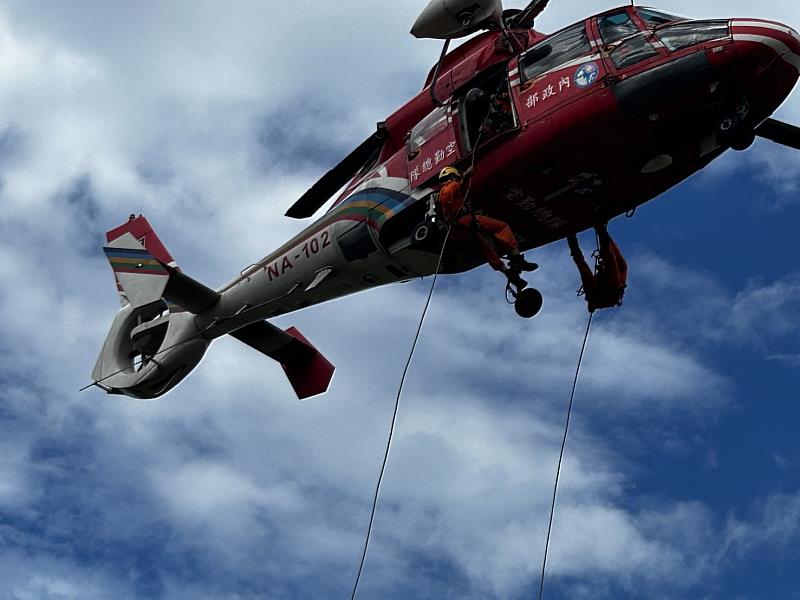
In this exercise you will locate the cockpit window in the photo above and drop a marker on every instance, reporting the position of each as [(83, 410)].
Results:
[(615, 27), (556, 51), (654, 18), (688, 34), (434, 123), (633, 50)]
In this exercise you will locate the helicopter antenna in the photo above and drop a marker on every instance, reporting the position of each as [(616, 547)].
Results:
[(435, 77)]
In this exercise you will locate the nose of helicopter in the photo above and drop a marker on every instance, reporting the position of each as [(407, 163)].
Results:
[(769, 58), (769, 37)]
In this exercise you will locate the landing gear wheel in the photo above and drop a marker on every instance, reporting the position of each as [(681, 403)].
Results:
[(528, 303), (743, 140)]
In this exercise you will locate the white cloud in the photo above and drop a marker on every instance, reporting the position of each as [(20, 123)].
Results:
[(773, 524), (764, 311), (27, 577), (161, 108)]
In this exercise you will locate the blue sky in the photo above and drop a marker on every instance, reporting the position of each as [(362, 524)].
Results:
[(682, 473)]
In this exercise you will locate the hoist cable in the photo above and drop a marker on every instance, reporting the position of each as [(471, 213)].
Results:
[(394, 418), (561, 454), (403, 380)]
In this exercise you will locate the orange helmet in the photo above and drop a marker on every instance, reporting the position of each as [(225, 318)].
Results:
[(449, 172)]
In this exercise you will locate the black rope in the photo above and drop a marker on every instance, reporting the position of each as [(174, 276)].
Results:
[(394, 416), (403, 380), (561, 455)]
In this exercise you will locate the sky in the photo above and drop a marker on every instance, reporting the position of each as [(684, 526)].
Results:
[(682, 471)]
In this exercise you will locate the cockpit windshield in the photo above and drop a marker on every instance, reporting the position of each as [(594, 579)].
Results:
[(682, 35), (654, 18), (616, 26)]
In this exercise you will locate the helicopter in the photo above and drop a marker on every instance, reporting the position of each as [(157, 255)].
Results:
[(604, 115)]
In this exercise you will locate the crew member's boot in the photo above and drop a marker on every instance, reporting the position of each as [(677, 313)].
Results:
[(518, 263)]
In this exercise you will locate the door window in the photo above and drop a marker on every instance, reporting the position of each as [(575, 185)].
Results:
[(556, 52), (556, 71)]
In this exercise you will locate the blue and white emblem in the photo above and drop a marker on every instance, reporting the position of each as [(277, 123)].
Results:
[(586, 75)]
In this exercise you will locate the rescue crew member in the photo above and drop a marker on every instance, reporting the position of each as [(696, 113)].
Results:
[(606, 288), (492, 234), (500, 117)]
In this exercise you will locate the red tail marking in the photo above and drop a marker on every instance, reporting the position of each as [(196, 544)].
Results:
[(139, 228)]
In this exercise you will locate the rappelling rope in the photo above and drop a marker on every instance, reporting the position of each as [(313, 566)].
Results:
[(561, 454), (403, 378), (394, 418)]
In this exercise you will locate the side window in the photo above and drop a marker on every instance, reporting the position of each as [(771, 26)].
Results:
[(432, 125), (684, 35), (632, 51), (615, 27), (555, 52)]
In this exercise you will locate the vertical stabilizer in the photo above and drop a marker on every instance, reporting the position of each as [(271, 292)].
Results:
[(138, 259), (140, 229)]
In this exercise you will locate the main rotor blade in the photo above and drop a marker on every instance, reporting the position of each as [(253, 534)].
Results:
[(525, 19), (780, 133), (333, 180)]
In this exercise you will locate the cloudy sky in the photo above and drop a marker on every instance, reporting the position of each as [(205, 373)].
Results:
[(682, 474)]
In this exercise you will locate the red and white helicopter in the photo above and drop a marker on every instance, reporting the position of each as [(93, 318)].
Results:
[(606, 114)]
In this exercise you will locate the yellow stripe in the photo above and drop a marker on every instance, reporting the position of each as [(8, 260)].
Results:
[(133, 261), (366, 204), (358, 204)]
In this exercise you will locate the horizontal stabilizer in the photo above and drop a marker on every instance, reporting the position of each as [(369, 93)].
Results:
[(309, 372)]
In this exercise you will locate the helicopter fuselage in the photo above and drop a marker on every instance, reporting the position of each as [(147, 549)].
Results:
[(564, 132), (589, 138)]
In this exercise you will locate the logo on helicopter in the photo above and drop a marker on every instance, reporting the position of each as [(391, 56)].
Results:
[(586, 75)]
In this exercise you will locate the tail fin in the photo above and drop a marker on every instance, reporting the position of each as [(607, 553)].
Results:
[(155, 319), (140, 229), (148, 274), (138, 257)]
